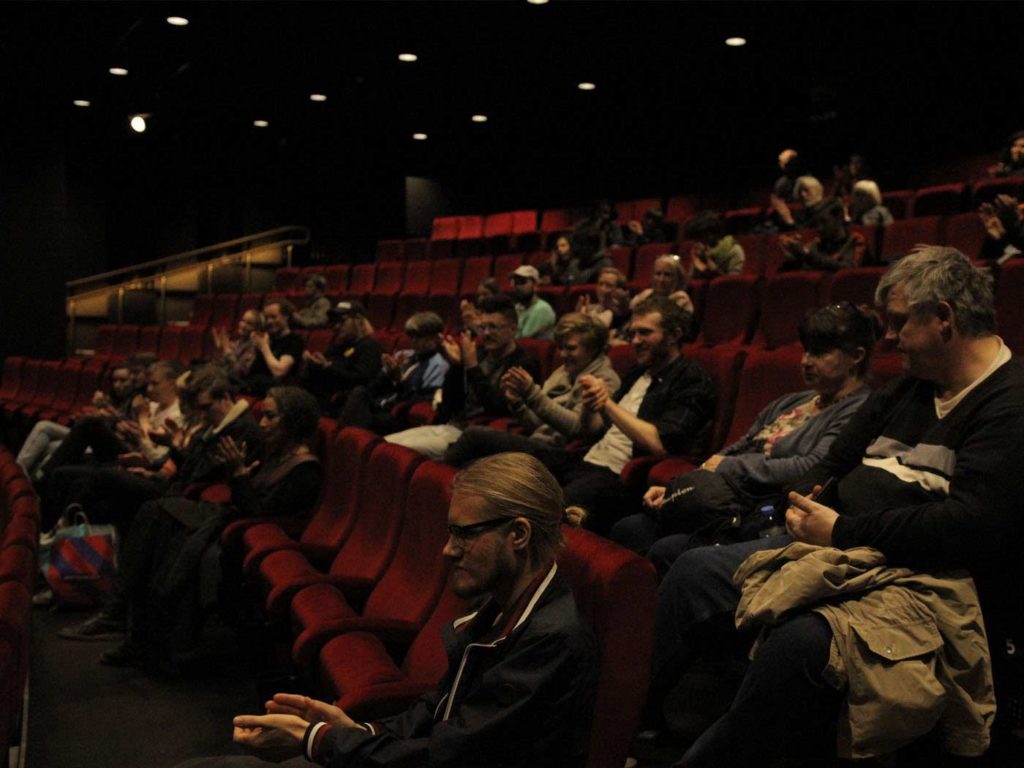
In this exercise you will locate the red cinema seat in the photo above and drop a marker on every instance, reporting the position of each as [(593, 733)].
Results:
[(126, 340), (336, 276), (555, 220), (367, 551), (89, 381), (13, 366), (742, 220), (966, 233), (766, 375), (15, 621), (730, 310), (379, 310), (898, 202), (855, 285), (320, 340), (170, 342), (623, 357), (17, 564), (755, 252), (872, 239), (526, 235), (287, 279), (471, 237), (226, 309), (104, 344), (417, 278), (249, 301), (1009, 307), (444, 278), (443, 237), (681, 208), (497, 232), (474, 272), (504, 266), (403, 600), (941, 200), (361, 281), (67, 389), (557, 296), (388, 281), (622, 259), (543, 351), (786, 299), (900, 237), (202, 309), (27, 391), (986, 190), (414, 248), (723, 365), (190, 344), (346, 459), (389, 250), (634, 210)]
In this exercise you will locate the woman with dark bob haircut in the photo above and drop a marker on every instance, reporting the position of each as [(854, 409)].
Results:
[(170, 573), (720, 500)]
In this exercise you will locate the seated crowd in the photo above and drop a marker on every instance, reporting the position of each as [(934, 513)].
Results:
[(896, 509)]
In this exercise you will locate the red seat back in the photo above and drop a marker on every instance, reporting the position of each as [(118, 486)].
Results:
[(898, 202), (723, 366), (900, 237), (225, 310), (855, 285), (389, 278), (785, 301), (942, 200), (445, 228), (13, 366), (474, 271), (361, 281), (966, 233), (1009, 307), (732, 304), (766, 375), (444, 277), (170, 342), (389, 250)]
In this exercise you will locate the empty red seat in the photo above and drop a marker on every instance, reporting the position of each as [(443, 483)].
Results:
[(505, 265), (403, 600), (444, 277), (105, 337), (765, 376), (45, 392), (337, 278), (785, 300), (634, 210), (474, 271), (202, 308), (900, 237), (941, 200), (170, 342), (730, 310), (526, 235), (755, 250), (1009, 307), (287, 279), (681, 208), (555, 220), (389, 250), (723, 366), (985, 191), (27, 391), (13, 365), (225, 309), (623, 357), (445, 228), (15, 621), (898, 202), (855, 285), (414, 248), (126, 340), (742, 220), (67, 389), (149, 339), (966, 233), (417, 278), (388, 281), (190, 344), (379, 310), (361, 280), (622, 259), (369, 548)]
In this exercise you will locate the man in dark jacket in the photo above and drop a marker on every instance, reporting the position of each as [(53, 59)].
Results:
[(351, 361), (472, 386), (521, 668), (664, 405)]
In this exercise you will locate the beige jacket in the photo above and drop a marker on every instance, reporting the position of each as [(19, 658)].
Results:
[(909, 648)]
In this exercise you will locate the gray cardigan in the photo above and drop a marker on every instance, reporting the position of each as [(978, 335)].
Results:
[(552, 413), (793, 454)]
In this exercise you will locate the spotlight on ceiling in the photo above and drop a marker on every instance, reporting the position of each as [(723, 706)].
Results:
[(177, 21), (260, 123), (537, 2), (119, 71), (479, 118), (318, 97), (407, 57), (419, 136), (735, 42), (586, 86), (82, 103), (138, 123)]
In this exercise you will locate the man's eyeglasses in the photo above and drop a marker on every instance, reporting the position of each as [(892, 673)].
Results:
[(464, 533), (492, 326)]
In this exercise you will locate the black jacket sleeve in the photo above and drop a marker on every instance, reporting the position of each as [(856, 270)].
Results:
[(294, 496)]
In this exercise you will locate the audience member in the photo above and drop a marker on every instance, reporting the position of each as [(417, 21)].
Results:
[(664, 406), (593, 236), (552, 413), (719, 502), (522, 668), (611, 304), (562, 267), (240, 353), (714, 253), (668, 279), (169, 567), (810, 193), (834, 246), (928, 483), (1011, 159), (469, 311), (472, 387), (846, 176), (278, 350), (865, 206), (536, 317), (352, 360), (46, 436), (1004, 228), (408, 376), (314, 314), (792, 167), (652, 228)]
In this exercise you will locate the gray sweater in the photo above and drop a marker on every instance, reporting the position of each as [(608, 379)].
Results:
[(793, 454)]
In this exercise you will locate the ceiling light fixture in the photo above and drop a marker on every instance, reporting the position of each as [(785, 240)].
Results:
[(735, 42), (408, 57), (138, 123), (479, 118), (586, 86), (119, 71), (82, 103), (537, 2), (177, 21), (420, 136), (260, 123), (317, 97)]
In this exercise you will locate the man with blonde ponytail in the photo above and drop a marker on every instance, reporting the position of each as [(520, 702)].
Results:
[(522, 667)]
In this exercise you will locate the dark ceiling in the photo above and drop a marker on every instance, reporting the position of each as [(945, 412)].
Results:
[(674, 108)]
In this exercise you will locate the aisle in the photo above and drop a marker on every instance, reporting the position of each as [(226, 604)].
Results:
[(83, 714)]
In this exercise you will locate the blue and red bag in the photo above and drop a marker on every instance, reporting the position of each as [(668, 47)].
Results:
[(80, 565)]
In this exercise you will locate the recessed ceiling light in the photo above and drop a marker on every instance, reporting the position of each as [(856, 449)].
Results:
[(82, 103), (420, 136), (479, 118), (177, 21), (537, 2), (260, 123), (586, 86), (408, 57), (119, 71), (138, 124), (735, 42), (317, 97)]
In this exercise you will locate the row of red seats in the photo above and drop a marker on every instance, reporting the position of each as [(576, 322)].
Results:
[(19, 540), (363, 588), (528, 230)]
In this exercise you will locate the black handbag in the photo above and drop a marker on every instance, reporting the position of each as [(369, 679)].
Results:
[(702, 502)]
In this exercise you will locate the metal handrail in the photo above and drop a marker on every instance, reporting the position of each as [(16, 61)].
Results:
[(133, 272)]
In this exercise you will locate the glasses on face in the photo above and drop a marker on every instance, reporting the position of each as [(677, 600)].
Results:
[(462, 534), (492, 326)]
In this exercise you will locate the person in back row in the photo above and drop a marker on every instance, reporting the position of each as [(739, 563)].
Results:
[(278, 350), (315, 312), (714, 252), (718, 502), (928, 479), (551, 413), (472, 387), (668, 278), (522, 668), (664, 406), (536, 317), (352, 360)]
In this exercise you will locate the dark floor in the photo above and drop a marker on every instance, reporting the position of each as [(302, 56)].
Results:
[(83, 714)]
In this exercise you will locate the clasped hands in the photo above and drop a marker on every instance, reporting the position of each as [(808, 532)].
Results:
[(595, 392), (278, 735), (515, 383)]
